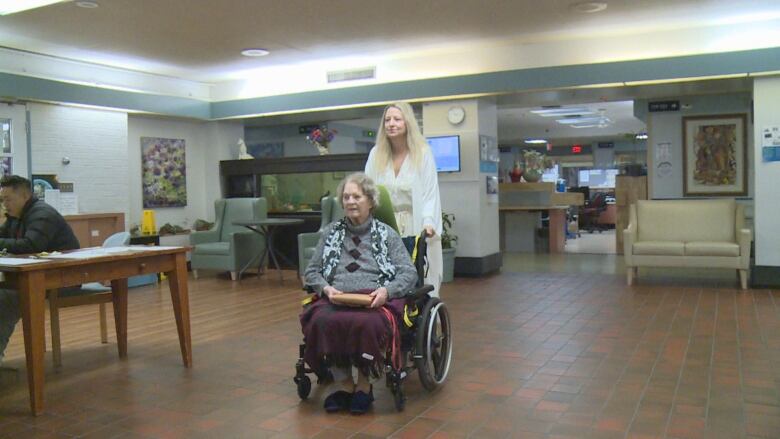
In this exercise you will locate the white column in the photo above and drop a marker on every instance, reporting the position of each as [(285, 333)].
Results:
[(464, 193), (766, 95)]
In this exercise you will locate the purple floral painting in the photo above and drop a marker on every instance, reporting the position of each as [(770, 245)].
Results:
[(163, 172)]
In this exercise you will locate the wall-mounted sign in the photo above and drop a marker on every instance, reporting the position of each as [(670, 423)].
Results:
[(658, 106), (606, 144), (770, 142), (576, 149)]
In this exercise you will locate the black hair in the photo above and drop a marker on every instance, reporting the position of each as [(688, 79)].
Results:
[(15, 182)]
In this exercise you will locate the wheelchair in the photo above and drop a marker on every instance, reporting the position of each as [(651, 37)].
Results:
[(425, 344)]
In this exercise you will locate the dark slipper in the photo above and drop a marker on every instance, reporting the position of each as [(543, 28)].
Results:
[(361, 402), (336, 401)]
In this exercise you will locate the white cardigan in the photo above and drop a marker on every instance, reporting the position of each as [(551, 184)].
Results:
[(426, 204)]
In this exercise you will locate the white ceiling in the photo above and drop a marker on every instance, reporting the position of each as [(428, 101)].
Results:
[(200, 40), (186, 42), (518, 124)]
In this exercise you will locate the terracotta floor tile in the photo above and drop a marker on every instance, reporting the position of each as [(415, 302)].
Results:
[(537, 354)]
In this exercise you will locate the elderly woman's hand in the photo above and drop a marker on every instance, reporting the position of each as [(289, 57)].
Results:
[(380, 297), (330, 291), (430, 232)]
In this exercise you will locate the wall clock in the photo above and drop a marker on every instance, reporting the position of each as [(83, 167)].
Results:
[(456, 114)]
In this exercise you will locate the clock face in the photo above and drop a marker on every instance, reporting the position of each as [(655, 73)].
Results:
[(455, 115)]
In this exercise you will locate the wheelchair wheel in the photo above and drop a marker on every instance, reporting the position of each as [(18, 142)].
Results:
[(433, 344), (304, 386)]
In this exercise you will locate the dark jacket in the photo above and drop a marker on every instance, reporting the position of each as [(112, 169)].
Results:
[(40, 228)]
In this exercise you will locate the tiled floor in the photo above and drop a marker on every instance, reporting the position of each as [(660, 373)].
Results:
[(550, 348), (598, 243)]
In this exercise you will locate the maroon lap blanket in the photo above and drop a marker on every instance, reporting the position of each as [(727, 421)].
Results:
[(344, 336)]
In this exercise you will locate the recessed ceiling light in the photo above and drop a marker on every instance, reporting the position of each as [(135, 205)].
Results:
[(588, 7), (254, 53), (641, 136), (557, 112), (535, 141), (87, 4)]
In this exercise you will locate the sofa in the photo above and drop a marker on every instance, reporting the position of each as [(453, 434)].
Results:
[(687, 233)]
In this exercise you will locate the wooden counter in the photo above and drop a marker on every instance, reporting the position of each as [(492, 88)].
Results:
[(92, 229), (537, 197)]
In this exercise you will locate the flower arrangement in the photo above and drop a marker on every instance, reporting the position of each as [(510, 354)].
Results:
[(535, 165), (321, 138)]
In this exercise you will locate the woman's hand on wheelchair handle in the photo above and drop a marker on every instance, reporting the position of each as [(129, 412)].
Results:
[(380, 297), (429, 231), (330, 291)]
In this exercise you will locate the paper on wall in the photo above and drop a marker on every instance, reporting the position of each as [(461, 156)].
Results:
[(69, 203)]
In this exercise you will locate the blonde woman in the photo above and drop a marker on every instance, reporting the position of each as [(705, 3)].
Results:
[(402, 161)]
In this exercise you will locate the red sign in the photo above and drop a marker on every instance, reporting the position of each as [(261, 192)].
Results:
[(576, 149)]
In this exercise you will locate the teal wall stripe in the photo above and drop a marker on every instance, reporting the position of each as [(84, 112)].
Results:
[(512, 81), (761, 60), (25, 87)]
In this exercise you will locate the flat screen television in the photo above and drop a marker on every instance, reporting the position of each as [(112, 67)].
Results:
[(446, 152)]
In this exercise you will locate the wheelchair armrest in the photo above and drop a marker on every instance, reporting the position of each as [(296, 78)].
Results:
[(420, 292)]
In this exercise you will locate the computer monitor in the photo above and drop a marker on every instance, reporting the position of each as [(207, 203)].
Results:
[(446, 152), (598, 178)]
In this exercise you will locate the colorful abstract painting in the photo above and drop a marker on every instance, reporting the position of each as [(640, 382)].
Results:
[(715, 155), (163, 172)]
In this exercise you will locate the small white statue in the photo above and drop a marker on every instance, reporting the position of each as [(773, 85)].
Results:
[(242, 154)]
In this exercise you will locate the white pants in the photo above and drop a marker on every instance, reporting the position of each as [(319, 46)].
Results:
[(435, 265)]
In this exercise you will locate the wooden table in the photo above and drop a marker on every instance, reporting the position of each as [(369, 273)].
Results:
[(33, 280)]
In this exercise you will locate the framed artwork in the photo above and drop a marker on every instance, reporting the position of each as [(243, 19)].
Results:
[(163, 172), (5, 136), (41, 182), (6, 166), (266, 150), (715, 155)]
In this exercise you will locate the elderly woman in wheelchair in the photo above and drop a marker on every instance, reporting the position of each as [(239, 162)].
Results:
[(354, 328)]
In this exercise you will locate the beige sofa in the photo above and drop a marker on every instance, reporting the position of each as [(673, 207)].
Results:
[(687, 233)]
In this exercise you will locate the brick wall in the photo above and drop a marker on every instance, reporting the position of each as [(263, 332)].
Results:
[(95, 141)]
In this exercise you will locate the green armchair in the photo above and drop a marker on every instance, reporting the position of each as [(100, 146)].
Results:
[(228, 247), (307, 242)]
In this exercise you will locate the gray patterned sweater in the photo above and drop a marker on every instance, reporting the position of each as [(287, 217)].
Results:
[(357, 268)]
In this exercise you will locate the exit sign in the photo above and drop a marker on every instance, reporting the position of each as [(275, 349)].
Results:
[(367, 133), (576, 149)]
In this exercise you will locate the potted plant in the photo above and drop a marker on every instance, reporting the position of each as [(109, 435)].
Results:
[(535, 165), (448, 240)]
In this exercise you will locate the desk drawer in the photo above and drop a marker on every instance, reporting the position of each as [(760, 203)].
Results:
[(76, 275)]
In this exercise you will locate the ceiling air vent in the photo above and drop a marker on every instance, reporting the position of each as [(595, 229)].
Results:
[(352, 75)]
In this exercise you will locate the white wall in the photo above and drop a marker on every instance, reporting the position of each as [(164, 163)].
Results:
[(464, 193), (766, 95), (96, 143), (666, 127), (206, 143)]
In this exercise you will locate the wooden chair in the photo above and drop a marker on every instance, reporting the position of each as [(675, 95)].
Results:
[(89, 294)]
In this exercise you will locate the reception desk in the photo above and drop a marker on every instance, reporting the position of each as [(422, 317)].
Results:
[(520, 209)]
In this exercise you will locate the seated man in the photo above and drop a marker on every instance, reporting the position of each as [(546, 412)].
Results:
[(355, 254), (31, 226)]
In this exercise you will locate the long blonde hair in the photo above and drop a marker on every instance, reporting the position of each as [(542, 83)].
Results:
[(414, 138)]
